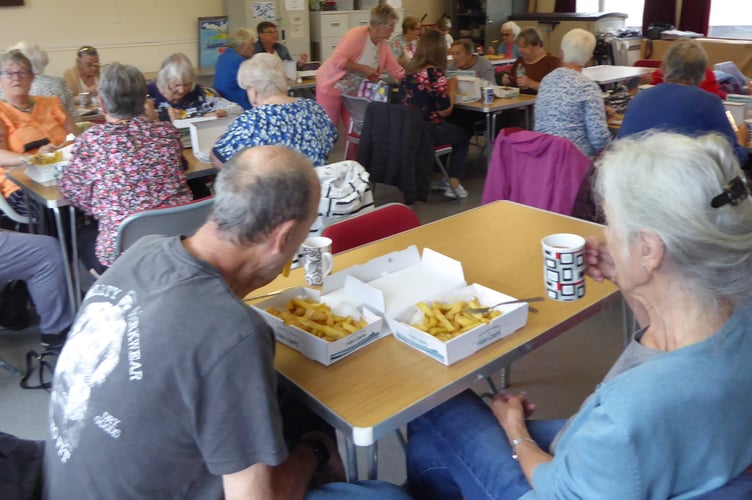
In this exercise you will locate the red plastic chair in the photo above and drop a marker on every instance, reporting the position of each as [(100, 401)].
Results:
[(379, 223)]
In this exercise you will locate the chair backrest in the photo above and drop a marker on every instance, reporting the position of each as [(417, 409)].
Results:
[(536, 169), (356, 107), (12, 214), (168, 221), (647, 63), (380, 222)]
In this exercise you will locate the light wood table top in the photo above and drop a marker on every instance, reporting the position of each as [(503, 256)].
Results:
[(374, 391), (605, 74), (499, 104)]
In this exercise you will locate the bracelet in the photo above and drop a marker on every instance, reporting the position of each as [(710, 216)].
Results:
[(517, 441)]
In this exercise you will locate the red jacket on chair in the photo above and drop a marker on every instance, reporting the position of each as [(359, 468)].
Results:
[(535, 169)]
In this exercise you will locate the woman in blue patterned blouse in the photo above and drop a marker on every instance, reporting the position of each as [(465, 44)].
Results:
[(275, 118)]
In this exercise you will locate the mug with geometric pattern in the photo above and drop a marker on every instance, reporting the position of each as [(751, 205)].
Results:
[(564, 266)]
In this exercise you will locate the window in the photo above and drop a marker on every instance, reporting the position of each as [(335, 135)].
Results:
[(632, 8), (728, 20)]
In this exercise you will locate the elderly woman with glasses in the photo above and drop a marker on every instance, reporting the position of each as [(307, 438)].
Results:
[(275, 117), (28, 124), (125, 165), (670, 419), (362, 53), (268, 41), (239, 48), (176, 95), (44, 85), (507, 47), (84, 76), (404, 44)]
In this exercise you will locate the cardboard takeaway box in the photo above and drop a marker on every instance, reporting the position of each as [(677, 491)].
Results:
[(47, 175), (312, 346), (203, 132), (432, 276)]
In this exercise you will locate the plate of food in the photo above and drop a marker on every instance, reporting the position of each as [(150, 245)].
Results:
[(45, 167)]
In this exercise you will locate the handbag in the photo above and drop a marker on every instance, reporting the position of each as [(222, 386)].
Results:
[(379, 91), (14, 306)]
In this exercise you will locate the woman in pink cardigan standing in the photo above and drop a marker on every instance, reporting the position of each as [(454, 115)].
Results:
[(363, 53)]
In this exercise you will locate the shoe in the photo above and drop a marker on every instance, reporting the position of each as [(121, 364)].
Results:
[(54, 339), (461, 192), (439, 184)]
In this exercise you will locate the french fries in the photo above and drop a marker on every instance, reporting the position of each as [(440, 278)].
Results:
[(46, 159), (446, 321), (317, 319)]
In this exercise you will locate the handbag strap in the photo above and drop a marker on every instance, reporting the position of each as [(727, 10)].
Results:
[(32, 359)]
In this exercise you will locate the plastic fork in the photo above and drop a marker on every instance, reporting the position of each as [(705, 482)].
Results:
[(484, 309)]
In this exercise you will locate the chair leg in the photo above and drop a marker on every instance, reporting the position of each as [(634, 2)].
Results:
[(446, 174), (347, 150)]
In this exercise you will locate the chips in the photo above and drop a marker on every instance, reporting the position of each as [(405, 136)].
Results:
[(46, 159), (446, 321), (317, 319)]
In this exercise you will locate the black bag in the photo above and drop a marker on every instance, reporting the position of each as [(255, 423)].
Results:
[(655, 29), (14, 306)]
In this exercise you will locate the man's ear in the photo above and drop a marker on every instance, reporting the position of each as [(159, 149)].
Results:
[(652, 250), (281, 235)]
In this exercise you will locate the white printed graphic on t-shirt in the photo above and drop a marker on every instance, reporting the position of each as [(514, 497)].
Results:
[(91, 353)]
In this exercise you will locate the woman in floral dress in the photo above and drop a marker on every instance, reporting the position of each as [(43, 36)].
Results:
[(275, 118), (123, 166), (427, 89)]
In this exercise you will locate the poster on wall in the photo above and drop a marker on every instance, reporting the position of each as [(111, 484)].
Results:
[(264, 11), (212, 39)]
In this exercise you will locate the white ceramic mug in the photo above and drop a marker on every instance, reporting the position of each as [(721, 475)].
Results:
[(564, 266), (317, 259), (291, 70), (84, 100)]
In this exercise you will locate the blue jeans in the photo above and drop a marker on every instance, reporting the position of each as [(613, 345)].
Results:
[(362, 490), (459, 450)]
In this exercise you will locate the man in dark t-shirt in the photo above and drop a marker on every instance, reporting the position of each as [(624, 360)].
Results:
[(166, 387)]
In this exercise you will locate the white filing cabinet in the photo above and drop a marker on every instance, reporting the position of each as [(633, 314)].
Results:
[(327, 27)]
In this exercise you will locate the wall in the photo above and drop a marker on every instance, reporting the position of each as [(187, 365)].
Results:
[(416, 8), (138, 32)]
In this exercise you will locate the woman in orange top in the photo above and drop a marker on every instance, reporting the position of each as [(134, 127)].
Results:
[(25, 120)]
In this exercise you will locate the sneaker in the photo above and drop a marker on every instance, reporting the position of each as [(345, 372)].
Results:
[(54, 339), (439, 184), (461, 192)]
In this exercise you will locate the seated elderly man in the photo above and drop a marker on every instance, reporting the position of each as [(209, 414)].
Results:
[(680, 105), (36, 260), (569, 104), (166, 387), (275, 118), (464, 59)]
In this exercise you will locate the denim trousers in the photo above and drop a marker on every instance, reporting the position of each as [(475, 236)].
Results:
[(459, 450)]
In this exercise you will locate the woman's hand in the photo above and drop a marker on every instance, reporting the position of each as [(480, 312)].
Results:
[(369, 71), (506, 79), (302, 59), (174, 113), (47, 148), (598, 259), (220, 113), (523, 82), (511, 410), (742, 134)]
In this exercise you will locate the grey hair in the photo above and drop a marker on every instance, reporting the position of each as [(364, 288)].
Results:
[(263, 72), (685, 62), (176, 68), (664, 182), (241, 37), (382, 14), (123, 90), (511, 25), (36, 56), (531, 37), (16, 57), (577, 46), (259, 189)]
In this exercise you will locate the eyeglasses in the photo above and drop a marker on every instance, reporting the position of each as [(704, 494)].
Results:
[(275, 32), (21, 75)]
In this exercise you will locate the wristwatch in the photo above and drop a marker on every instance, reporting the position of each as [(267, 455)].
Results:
[(319, 451)]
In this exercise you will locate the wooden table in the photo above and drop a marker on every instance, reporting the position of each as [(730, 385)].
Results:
[(376, 390), (605, 74), (499, 60), (499, 105)]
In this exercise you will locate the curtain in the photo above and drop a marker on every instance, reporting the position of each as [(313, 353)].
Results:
[(695, 15), (565, 6), (659, 11)]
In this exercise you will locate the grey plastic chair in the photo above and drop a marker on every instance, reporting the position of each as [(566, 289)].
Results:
[(168, 221), (356, 107)]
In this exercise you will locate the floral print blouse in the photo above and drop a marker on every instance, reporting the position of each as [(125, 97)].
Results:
[(426, 90), (301, 125), (117, 169), (403, 48)]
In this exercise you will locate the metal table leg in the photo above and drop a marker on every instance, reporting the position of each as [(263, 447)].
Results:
[(74, 260), (373, 460), (351, 460), (66, 262)]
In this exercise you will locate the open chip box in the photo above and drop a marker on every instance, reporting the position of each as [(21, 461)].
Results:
[(379, 286)]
